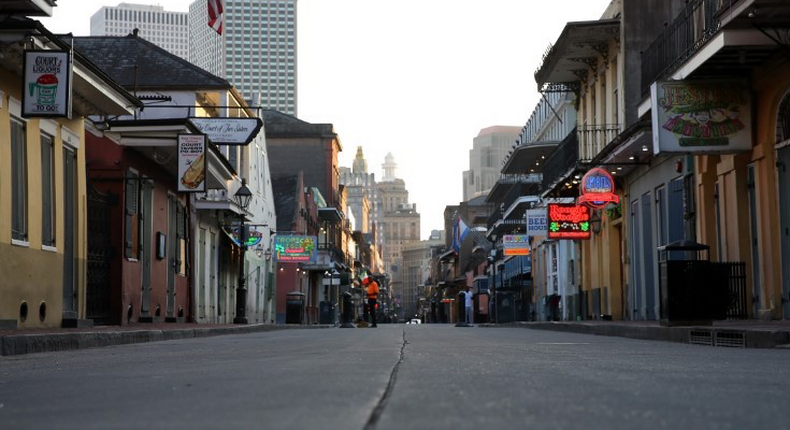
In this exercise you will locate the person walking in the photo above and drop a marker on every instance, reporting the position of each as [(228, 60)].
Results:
[(469, 304), (372, 289)]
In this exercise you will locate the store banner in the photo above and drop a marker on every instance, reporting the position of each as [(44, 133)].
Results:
[(515, 244), (694, 117), (536, 222), (192, 163), (47, 84)]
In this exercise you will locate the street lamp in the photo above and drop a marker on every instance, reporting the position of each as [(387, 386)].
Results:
[(242, 198)]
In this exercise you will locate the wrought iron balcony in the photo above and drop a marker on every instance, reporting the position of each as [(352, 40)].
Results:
[(562, 160), (594, 138), (699, 21)]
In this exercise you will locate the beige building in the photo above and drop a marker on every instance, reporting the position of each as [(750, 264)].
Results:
[(489, 150), (43, 218)]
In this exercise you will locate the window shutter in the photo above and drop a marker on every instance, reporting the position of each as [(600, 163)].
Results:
[(131, 208)]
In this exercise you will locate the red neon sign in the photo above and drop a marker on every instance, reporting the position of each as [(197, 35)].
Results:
[(568, 221), (598, 189)]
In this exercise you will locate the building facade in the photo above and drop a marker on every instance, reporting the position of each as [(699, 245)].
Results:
[(257, 51), (166, 29), (489, 149), (43, 186)]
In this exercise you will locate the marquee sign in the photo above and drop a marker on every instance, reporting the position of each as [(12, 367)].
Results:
[(228, 131), (295, 249), (701, 116), (47, 87), (597, 189), (568, 221)]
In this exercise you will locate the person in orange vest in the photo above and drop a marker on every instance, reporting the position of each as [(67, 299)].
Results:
[(372, 289)]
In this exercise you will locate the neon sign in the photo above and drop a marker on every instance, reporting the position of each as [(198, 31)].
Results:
[(598, 189), (295, 249), (568, 221)]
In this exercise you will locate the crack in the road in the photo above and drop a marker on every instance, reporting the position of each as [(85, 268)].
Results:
[(379, 409)]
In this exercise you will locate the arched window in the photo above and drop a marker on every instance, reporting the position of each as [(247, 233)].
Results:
[(783, 120)]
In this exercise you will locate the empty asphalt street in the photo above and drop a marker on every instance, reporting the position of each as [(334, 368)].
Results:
[(399, 377)]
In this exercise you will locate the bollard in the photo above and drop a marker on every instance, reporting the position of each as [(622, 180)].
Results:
[(461, 306), (347, 315)]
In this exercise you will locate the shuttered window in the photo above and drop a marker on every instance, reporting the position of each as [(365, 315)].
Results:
[(18, 181), (47, 191), (132, 208)]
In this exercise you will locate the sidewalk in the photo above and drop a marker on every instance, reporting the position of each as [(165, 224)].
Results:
[(18, 342), (734, 333)]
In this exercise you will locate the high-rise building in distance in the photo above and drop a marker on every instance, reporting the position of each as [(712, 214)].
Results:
[(168, 30), (256, 51)]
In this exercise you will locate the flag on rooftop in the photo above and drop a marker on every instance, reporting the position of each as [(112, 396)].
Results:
[(216, 15)]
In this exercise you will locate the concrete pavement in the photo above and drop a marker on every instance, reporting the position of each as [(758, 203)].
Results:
[(398, 377)]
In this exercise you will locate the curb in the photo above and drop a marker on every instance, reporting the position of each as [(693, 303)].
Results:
[(710, 336), (51, 342)]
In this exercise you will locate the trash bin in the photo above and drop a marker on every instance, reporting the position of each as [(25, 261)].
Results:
[(294, 307), (326, 312), (692, 289)]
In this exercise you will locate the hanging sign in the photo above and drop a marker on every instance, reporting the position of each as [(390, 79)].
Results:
[(568, 221), (47, 87), (536, 222), (191, 163), (254, 236), (515, 244), (228, 131), (697, 117), (295, 249), (597, 189)]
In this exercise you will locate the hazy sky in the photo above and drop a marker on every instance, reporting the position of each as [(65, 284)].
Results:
[(418, 78)]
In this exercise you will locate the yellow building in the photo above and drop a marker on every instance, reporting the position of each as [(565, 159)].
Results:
[(43, 220)]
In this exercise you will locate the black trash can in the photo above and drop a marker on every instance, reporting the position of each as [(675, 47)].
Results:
[(693, 291), (326, 312), (294, 307)]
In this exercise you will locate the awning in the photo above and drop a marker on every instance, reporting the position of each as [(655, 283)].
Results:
[(577, 49), (157, 140), (331, 214)]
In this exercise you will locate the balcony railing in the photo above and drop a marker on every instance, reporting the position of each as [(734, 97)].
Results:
[(699, 21), (594, 138), (531, 178), (564, 157)]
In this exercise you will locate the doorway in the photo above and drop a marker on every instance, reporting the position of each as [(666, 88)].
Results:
[(782, 165)]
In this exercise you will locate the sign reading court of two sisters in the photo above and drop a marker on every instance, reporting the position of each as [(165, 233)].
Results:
[(191, 163), (695, 117), (46, 91), (228, 131)]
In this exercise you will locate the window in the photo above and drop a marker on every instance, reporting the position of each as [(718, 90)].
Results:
[(18, 181), (47, 194)]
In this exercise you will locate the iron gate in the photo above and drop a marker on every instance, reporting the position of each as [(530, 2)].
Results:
[(99, 256)]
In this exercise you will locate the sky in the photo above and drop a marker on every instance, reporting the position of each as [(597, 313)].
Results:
[(418, 78)]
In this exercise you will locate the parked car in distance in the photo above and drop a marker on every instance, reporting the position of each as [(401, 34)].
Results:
[(414, 321)]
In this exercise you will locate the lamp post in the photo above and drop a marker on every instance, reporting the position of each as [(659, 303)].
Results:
[(492, 259), (242, 199)]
